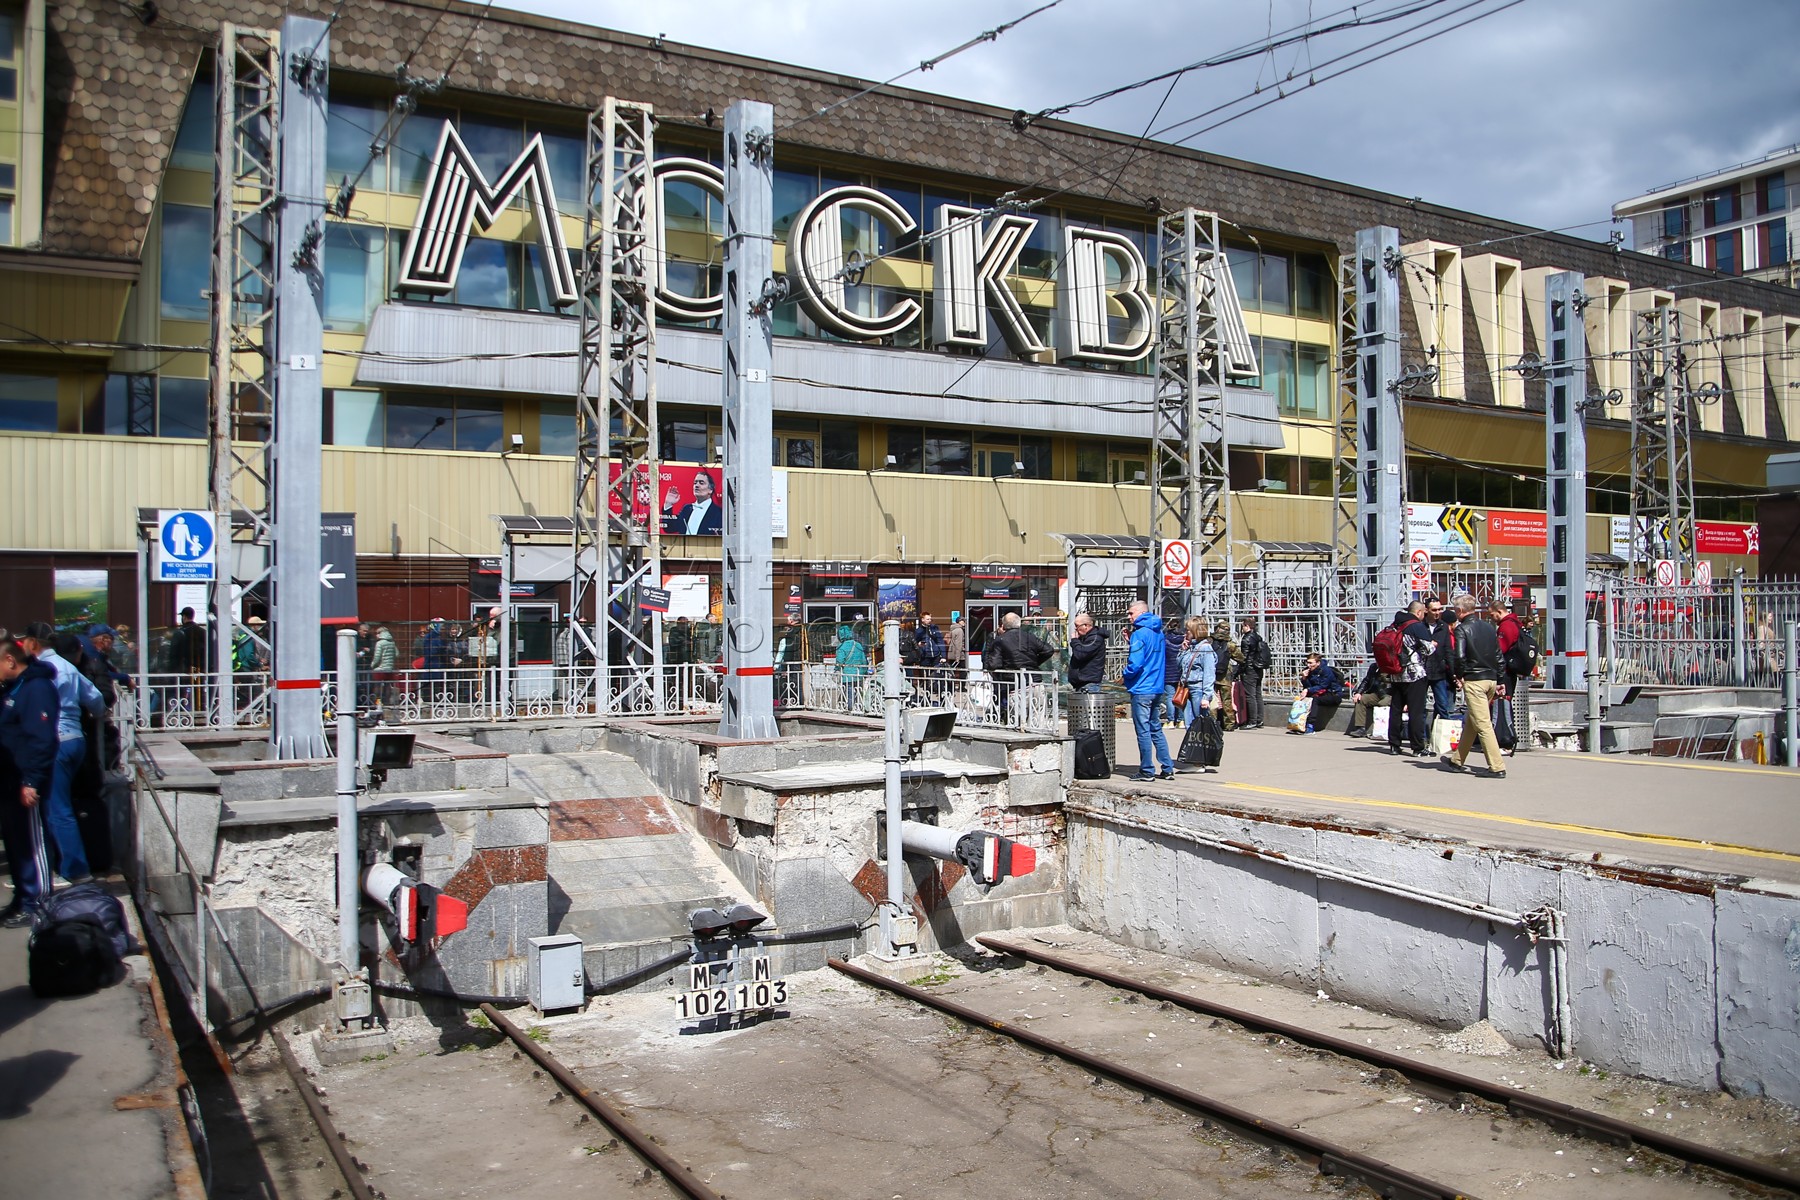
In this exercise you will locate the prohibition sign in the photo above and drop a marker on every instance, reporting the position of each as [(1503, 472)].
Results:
[(1177, 563), (1665, 572)]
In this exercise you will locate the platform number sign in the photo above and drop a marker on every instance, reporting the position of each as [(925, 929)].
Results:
[(730, 987), (1178, 564), (185, 546)]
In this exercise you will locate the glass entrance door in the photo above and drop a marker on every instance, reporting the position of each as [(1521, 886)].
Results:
[(984, 618), (824, 618)]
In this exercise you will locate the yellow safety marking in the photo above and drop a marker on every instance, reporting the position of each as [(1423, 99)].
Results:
[(1646, 838), (1638, 760)]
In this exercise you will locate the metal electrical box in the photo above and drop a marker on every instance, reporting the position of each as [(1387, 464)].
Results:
[(554, 977)]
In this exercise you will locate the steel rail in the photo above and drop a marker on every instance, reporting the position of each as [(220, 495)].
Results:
[(1328, 1157), (683, 1179), (1565, 1118), (328, 1132)]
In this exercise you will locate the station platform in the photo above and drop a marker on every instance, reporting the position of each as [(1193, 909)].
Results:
[(1719, 819), (88, 1104)]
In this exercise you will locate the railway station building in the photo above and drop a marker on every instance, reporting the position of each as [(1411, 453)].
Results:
[(910, 445)]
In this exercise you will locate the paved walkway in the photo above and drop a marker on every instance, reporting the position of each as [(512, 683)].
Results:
[(85, 1095), (1720, 818)]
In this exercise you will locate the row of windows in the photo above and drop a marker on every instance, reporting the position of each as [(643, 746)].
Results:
[(1722, 251), (1724, 205), (173, 407)]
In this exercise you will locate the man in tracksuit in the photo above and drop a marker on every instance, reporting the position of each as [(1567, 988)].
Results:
[(74, 694), (29, 710)]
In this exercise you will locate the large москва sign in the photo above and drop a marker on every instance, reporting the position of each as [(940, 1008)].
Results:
[(971, 260)]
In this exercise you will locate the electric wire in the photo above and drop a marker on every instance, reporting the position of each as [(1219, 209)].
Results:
[(930, 63)]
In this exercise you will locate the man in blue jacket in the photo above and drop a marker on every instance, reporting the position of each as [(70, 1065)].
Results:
[(74, 695), (1143, 680), (28, 719)]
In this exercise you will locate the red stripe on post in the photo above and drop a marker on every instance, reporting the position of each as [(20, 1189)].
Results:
[(298, 685), (756, 670), (1574, 653)]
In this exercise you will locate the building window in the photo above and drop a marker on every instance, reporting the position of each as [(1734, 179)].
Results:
[(905, 448), (9, 191), (1675, 221), (414, 146), (356, 417), (28, 403), (186, 253), (354, 258), (1722, 206), (1676, 251), (9, 57), (556, 427), (1771, 193), (1312, 380), (194, 138), (181, 410), (1724, 252), (465, 423), (840, 446), (1772, 243), (947, 452), (684, 440)]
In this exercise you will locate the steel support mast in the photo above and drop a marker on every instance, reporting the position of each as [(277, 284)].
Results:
[(618, 533), (747, 699), (241, 398), (1565, 471), (1190, 497), (1662, 473), (299, 726), (1380, 436)]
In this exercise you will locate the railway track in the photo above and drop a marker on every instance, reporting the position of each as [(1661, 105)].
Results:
[(687, 1116)]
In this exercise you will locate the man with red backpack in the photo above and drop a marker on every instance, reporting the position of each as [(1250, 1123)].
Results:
[(1401, 651)]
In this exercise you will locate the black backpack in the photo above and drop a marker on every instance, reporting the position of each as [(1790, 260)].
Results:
[(1090, 755), (89, 902), (1522, 656), (70, 958)]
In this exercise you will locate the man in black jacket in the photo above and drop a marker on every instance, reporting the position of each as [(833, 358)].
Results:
[(1438, 665), (29, 710), (1014, 651), (1478, 664), (1087, 655), (1250, 672)]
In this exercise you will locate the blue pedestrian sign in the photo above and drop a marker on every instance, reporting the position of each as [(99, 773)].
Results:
[(185, 545)]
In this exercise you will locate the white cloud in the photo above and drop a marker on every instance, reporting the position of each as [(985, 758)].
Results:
[(1546, 113)]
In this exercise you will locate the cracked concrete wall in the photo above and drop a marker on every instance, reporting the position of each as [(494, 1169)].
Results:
[(1683, 981)]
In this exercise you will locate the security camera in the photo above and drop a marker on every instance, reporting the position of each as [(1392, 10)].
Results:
[(809, 529)]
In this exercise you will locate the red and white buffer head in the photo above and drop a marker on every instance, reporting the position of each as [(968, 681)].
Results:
[(989, 857), (421, 912)]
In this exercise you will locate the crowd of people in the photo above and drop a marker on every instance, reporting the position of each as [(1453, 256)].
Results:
[(1460, 662), (57, 741)]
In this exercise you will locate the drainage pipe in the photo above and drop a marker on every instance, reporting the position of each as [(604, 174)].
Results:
[(1593, 689), (1543, 925)]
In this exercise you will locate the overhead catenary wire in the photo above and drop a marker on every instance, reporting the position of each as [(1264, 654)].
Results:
[(930, 63)]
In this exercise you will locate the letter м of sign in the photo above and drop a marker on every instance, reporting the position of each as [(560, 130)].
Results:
[(457, 194)]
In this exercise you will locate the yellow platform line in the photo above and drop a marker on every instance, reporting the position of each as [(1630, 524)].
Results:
[(1682, 764), (1529, 822)]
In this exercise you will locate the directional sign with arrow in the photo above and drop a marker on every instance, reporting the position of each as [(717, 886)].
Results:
[(337, 578)]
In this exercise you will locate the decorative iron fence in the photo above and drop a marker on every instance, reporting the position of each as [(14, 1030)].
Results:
[(1724, 634)]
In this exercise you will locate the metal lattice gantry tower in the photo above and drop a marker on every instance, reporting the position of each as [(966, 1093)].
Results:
[(1380, 435), (1344, 532), (1565, 471), (618, 533), (1190, 497), (246, 191), (1662, 465)]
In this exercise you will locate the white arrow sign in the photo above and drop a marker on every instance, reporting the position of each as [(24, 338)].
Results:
[(326, 575)]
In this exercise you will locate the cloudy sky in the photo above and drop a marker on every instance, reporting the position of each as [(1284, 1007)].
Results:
[(1543, 111)]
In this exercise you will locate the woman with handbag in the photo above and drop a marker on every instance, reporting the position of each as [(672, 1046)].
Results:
[(1199, 667)]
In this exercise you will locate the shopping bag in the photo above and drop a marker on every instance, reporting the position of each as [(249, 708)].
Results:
[(1204, 745), (1505, 732), (1378, 724), (1445, 733), (1297, 713)]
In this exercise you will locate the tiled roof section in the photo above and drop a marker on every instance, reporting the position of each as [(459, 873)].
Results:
[(132, 79), (113, 103)]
